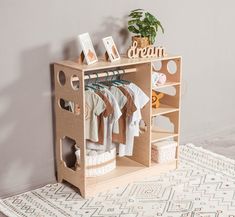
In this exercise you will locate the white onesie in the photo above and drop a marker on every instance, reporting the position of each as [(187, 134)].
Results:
[(132, 130)]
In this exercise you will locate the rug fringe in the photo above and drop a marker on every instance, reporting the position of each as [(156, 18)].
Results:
[(210, 152), (199, 156)]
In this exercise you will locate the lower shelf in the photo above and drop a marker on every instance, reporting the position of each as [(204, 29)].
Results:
[(124, 166), (158, 135), (127, 171), (163, 109)]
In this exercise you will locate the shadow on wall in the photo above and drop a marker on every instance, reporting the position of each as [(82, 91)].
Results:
[(115, 27), (26, 125), (71, 49), (26, 134)]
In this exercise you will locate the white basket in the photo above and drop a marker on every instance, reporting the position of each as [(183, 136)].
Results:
[(164, 151), (99, 164)]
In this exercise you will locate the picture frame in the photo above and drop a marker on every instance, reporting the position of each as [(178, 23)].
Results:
[(88, 48), (111, 49)]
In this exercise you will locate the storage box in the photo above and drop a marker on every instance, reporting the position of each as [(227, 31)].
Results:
[(163, 151), (99, 164)]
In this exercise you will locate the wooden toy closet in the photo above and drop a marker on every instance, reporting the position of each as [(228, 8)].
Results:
[(72, 124)]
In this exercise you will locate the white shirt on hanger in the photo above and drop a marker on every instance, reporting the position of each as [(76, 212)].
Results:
[(94, 106), (132, 129), (121, 100)]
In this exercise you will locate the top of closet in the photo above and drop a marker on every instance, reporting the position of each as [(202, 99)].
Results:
[(103, 64)]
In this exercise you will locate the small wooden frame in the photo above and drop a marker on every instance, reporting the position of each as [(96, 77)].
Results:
[(138, 71), (88, 48), (111, 49)]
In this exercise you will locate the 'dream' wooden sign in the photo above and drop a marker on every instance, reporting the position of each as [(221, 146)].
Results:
[(147, 52)]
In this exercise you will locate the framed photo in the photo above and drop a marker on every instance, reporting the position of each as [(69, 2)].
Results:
[(111, 48), (88, 49)]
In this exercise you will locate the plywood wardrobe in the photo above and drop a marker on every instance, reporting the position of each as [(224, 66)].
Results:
[(72, 124)]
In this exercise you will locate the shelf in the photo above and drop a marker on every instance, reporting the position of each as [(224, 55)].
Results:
[(127, 171), (124, 166), (167, 84), (163, 109), (158, 135), (102, 64)]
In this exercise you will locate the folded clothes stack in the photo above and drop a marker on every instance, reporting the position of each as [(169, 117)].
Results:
[(158, 78)]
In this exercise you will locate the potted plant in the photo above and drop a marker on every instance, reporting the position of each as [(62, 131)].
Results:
[(145, 25)]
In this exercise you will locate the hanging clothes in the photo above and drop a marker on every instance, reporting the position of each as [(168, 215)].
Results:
[(133, 121), (102, 118), (113, 115), (94, 106), (112, 121), (128, 109), (121, 100)]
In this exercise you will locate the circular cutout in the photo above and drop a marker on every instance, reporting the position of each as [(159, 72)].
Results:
[(157, 65), (61, 78), (61, 103), (172, 67), (75, 82)]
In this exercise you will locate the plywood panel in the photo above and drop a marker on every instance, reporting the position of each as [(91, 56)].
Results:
[(163, 109), (158, 135), (102, 64), (173, 77), (69, 124), (142, 144), (174, 101)]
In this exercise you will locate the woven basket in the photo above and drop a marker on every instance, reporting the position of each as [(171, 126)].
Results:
[(163, 151), (99, 164), (142, 42)]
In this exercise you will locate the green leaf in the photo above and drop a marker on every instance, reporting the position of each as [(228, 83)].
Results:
[(132, 22), (146, 21), (150, 17), (145, 31), (135, 14), (155, 27), (133, 29), (158, 23), (137, 10), (152, 40)]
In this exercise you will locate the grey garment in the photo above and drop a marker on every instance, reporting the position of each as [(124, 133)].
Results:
[(94, 106)]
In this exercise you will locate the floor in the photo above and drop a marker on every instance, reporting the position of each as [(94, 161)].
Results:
[(223, 144)]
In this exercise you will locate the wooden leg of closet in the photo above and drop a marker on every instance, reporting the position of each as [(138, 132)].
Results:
[(177, 155), (59, 177), (82, 192)]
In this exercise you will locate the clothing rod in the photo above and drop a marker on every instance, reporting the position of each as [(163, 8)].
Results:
[(108, 73)]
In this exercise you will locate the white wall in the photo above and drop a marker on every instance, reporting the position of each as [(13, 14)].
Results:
[(36, 33)]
